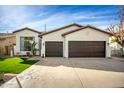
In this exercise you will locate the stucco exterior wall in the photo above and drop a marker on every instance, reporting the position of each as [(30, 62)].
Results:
[(7, 41), (87, 34), (55, 36), (25, 33)]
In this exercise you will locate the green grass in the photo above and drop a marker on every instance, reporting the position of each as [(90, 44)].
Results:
[(15, 65)]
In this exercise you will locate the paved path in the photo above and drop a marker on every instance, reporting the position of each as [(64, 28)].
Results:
[(72, 73)]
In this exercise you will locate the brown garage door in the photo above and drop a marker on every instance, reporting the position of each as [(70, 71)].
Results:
[(86, 49), (54, 49)]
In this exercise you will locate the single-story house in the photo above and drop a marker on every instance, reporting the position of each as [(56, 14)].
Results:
[(73, 40)]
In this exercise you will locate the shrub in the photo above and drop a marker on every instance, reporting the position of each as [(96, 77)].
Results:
[(2, 51), (29, 54)]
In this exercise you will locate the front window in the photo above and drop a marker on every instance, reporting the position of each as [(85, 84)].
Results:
[(26, 43)]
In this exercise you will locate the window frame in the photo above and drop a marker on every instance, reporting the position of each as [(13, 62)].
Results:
[(24, 45)]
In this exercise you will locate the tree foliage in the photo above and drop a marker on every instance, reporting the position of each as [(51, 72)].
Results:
[(34, 49), (118, 29)]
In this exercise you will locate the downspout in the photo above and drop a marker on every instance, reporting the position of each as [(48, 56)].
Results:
[(40, 46)]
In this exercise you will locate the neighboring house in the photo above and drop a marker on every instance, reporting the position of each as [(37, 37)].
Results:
[(75, 41), (7, 43), (24, 39), (115, 45), (116, 48)]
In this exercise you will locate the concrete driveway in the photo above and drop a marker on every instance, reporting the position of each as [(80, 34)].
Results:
[(72, 72)]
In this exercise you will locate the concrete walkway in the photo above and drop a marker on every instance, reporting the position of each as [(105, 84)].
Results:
[(72, 73)]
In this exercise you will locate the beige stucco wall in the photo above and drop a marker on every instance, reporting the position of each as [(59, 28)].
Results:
[(87, 34), (7, 41), (55, 36), (25, 33)]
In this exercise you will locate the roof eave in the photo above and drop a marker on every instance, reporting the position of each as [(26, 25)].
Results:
[(24, 29), (87, 27), (61, 28)]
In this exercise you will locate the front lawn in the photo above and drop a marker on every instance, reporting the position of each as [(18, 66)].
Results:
[(15, 65)]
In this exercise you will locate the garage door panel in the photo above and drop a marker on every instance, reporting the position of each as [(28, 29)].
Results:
[(53, 55), (86, 49), (54, 49)]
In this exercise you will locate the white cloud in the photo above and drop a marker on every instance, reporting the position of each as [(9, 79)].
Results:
[(62, 18), (51, 21), (93, 15), (15, 17)]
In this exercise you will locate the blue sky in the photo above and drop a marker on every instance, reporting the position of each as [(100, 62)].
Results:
[(16, 17)]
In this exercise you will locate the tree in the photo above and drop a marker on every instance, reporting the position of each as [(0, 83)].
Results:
[(118, 29)]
